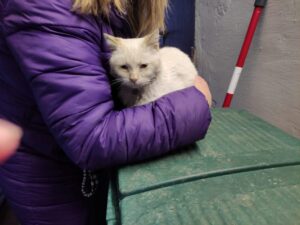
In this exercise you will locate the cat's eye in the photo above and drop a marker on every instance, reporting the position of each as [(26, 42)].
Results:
[(124, 67), (143, 66)]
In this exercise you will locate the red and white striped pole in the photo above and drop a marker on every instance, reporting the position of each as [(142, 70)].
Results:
[(259, 5)]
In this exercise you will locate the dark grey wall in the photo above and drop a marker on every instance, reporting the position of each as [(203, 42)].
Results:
[(270, 84)]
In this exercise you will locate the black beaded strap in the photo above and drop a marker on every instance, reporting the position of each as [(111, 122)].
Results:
[(89, 183)]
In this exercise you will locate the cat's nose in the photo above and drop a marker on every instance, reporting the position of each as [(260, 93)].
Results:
[(133, 80)]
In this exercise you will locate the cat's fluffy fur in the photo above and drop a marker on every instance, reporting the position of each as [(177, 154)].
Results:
[(146, 72)]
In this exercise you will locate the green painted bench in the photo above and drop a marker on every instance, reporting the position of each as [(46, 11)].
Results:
[(246, 171)]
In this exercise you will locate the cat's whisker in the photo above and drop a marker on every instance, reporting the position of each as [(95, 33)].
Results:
[(117, 81)]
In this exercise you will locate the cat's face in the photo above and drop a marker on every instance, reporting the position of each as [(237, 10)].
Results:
[(134, 62)]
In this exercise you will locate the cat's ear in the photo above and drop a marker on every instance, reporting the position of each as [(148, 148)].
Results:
[(152, 40), (112, 42)]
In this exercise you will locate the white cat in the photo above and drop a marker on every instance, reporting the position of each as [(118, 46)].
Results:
[(146, 72)]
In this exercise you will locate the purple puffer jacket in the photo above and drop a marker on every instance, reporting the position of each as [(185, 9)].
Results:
[(54, 84)]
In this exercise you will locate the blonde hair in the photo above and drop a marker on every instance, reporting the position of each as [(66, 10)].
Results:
[(144, 16)]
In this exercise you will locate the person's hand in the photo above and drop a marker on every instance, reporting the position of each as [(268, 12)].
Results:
[(10, 136), (202, 86)]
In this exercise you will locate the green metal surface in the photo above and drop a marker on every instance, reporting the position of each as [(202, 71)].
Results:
[(112, 208), (242, 157), (264, 197), (236, 140)]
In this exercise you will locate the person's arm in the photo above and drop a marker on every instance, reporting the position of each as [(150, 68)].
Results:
[(10, 137), (202, 86), (62, 65)]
